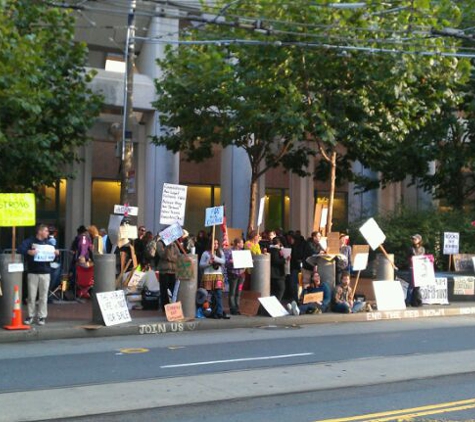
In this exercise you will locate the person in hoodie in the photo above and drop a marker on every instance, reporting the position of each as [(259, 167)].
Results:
[(277, 269)]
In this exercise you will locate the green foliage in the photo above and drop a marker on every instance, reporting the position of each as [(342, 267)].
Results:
[(46, 106), (431, 225)]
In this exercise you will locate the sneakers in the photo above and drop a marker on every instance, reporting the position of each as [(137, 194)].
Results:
[(41, 321), (295, 308), (28, 321)]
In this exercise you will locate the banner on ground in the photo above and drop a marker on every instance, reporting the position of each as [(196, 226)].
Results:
[(437, 294)]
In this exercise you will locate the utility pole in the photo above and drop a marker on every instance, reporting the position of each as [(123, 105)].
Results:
[(127, 152)]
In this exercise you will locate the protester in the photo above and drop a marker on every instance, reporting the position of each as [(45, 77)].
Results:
[(56, 264), (39, 275), (296, 257), (236, 277), (315, 286), (97, 241), (252, 243), (139, 244), (277, 269), (168, 257), (413, 293), (343, 260), (311, 247), (343, 301)]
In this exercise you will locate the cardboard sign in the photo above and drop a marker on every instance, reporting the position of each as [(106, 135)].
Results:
[(113, 307), (372, 234), (360, 261), (436, 294), (184, 268), (260, 216), (317, 216), (174, 312), (463, 263), (171, 233), (173, 205), (214, 216), (389, 295), (126, 209), (249, 304), (45, 253), (273, 306), (128, 232), (333, 243), (136, 280), (451, 243), (242, 259), (313, 297), (17, 209), (464, 286), (423, 270)]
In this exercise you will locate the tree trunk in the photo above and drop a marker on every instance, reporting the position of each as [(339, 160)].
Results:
[(332, 191), (252, 206)]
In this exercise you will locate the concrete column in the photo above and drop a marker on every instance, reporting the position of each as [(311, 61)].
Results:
[(187, 291), (302, 200), (260, 275), (104, 281)]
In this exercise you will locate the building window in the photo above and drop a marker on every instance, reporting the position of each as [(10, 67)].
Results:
[(277, 209), (105, 194), (200, 197), (340, 209)]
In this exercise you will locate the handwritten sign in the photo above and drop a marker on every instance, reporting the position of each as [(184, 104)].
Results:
[(423, 270), (333, 243), (17, 209), (45, 253), (113, 307), (373, 234), (242, 259), (451, 243), (174, 312), (173, 204), (464, 286), (171, 233), (313, 298), (184, 268), (437, 294), (126, 209), (214, 216)]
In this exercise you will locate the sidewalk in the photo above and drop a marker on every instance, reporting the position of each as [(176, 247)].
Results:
[(73, 320)]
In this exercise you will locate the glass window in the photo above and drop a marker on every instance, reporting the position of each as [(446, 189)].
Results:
[(105, 194), (340, 209), (277, 209), (198, 199)]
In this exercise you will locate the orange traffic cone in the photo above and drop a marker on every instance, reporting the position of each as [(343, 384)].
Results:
[(17, 320)]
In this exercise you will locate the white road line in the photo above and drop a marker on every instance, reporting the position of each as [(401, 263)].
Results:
[(215, 362)]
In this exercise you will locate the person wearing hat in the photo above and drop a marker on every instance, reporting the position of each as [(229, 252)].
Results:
[(413, 293)]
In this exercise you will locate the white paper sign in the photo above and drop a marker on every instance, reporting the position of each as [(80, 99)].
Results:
[(128, 232), (423, 270), (372, 233), (113, 228), (324, 217), (171, 233), (260, 216), (436, 294), (214, 216), (122, 209), (242, 259), (45, 253), (287, 252), (389, 295), (273, 306), (464, 286), (173, 205), (113, 307), (361, 262), (451, 243), (16, 268)]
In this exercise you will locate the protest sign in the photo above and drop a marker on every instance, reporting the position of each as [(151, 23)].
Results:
[(437, 294), (173, 205), (171, 233), (45, 253), (333, 243), (372, 234), (273, 306), (260, 216), (126, 210), (17, 209), (184, 268), (464, 286), (127, 231), (214, 216), (113, 307), (423, 270), (389, 295), (242, 259), (313, 297), (463, 262), (174, 312), (360, 262), (451, 243)]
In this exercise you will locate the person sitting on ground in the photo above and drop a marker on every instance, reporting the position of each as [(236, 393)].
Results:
[(343, 301), (315, 286)]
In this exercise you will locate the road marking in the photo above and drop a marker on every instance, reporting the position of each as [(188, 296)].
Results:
[(216, 362), (410, 412), (131, 351)]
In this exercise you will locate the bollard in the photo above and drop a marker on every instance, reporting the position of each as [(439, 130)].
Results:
[(9, 281), (260, 275), (104, 281), (327, 271), (187, 290), (384, 267)]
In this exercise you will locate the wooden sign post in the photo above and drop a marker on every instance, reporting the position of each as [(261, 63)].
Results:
[(360, 255)]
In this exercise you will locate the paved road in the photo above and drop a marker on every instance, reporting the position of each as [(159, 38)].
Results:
[(293, 373)]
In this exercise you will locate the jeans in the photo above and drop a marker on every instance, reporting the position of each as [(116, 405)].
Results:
[(344, 308), (235, 289), (167, 282), (277, 287), (38, 283), (218, 300), (294, 285)]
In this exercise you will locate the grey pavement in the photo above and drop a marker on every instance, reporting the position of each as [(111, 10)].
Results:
[(73, 320)]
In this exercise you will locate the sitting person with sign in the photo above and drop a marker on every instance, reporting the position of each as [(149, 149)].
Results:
[(315, 298), (343, 301)]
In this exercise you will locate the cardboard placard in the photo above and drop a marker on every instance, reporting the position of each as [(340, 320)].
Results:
[(173, 205), (357, 249), (436, 294), (389, 295), (184, 268), (242, 259), (171, 233), (113, 307), (423, 270), (249, 304), (317, 216), (17, 209), (313, 297), (372, 234), (174, 312), (273, 306), (214, 216), (463, 262), (333, 243), (127, 231), (451, 243), (464, 286)]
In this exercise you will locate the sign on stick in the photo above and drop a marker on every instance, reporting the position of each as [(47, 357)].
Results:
[(17, 209), (171, 233), (451, 243), (126, 209), (214, 216), (373, 234), (173, 204), (389, 295), (260, 216)]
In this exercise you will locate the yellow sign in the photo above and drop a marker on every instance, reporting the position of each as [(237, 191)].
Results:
[(17, 209)]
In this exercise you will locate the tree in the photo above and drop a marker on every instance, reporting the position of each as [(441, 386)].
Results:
[(46, 106)]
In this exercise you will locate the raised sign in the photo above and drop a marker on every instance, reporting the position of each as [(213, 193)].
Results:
[(126, 209), (17, 209), (214, 216), (173, 205), (451, 243), (373, 234), (171, 233)]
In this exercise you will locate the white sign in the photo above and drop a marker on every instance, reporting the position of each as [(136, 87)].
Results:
[(373, 234), (123, 209), (324, 217), (361, 262), (214, 216), (113, 307), (113, 228), (436, 294), (16, 268), (273, 306), (242, 259), (128, 232), (464, 286), (260, 216), (45, 253), (171, 233), (287, 252), (173, 204), (389, 295), (451, 243), (423, 270)]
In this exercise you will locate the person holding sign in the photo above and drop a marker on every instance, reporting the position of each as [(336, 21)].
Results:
[(212, 263), (236, 276), (168, 257), (344, 303), (319, 290), (39, 253), (413, 293)]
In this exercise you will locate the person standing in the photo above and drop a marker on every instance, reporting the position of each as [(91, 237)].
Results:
[(168, 257), (236, 277), (39, 274), (414, 293), (311, 247), (277, 269)]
